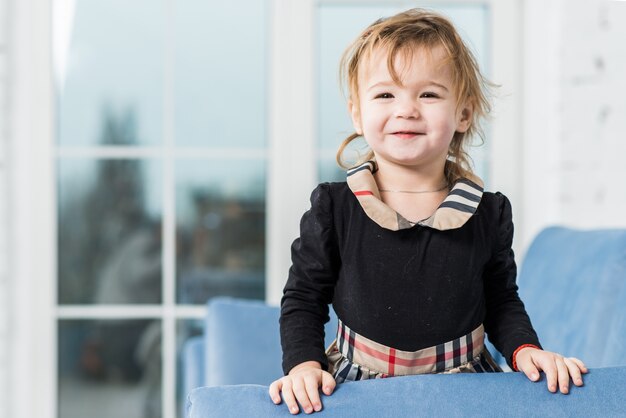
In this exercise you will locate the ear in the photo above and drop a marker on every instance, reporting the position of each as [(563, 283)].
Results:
[(356, 116), (464, 118)]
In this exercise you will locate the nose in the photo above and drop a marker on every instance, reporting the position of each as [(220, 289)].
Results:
[(407, 109)]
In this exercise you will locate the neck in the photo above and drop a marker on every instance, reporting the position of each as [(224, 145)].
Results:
[(398, 177)]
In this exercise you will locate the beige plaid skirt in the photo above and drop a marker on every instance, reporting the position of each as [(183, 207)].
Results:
[(354, 357)]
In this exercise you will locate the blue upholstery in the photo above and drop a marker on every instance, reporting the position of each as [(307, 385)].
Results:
[(573, 284), (615, 351), (233, 329), (464, 395), (241, 344), (193, 364), (571, 281)]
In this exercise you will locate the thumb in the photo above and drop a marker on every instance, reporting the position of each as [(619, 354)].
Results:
[(328, 383)]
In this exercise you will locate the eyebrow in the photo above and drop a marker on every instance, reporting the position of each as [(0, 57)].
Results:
[(387, 83)]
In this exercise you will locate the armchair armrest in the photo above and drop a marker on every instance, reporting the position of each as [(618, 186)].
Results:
[(461, 395)]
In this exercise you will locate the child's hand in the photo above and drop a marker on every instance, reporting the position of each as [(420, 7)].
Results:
[(302, 383), (558, 369)]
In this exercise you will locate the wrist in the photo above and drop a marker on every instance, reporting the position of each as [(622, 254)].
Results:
[(516, 352), (305, 365)]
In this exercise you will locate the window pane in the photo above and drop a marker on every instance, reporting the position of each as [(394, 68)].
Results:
[(338, 25), (220, 73), (220, 215), (328, 170), (109, 231), (109, 368), (106, 63)]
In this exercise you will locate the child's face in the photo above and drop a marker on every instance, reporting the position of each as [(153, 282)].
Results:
[(411, 124)]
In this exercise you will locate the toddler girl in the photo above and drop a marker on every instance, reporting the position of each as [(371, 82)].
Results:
[(414, 256)]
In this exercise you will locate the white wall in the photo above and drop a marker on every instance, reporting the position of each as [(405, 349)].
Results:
[(593, 133), (4, 314), (575, 103)]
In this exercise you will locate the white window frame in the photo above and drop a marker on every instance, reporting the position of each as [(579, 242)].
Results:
[(32, 206), (292, 173)]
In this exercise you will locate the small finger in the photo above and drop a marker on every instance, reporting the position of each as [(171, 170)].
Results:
[(302, 396), (549, 367), (574, 371), (275, 391), (563, 375), (581, 365), (312, 389), (328, 383), (290, 399)]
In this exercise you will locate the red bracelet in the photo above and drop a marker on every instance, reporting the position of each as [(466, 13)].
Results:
[(518, 349)]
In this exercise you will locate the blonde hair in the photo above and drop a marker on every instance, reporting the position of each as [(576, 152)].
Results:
[(405, 32)]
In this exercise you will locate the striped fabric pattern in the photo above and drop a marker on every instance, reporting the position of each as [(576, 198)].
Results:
[(456, 209), (354, 357)]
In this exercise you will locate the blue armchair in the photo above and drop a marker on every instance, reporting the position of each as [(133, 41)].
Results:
[(573, 284), (241, 345)]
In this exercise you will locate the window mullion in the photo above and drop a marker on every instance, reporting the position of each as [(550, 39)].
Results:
[(292, 162), (168, 323)]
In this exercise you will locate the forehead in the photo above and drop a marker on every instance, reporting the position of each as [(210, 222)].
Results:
[(409, 62)]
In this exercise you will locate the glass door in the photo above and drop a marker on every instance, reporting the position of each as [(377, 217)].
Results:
[(161, 153)]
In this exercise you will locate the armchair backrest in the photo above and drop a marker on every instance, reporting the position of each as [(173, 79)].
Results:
[(573, 284), (615, 350), (242, 342)]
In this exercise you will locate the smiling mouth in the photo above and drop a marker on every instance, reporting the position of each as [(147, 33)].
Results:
[(407, 134)]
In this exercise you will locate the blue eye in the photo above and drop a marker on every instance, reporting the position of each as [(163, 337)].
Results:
[(384, 96)]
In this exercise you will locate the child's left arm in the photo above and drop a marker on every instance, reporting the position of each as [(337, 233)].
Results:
[(558, 369), (506, 321)]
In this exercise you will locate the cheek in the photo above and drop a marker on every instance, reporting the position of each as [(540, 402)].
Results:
[(444, 122), (372, 120)]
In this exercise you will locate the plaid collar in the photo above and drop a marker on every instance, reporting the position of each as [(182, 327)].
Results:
[(459, 206)]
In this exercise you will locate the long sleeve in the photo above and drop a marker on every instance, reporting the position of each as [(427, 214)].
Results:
[(506, 322), (310, 285)]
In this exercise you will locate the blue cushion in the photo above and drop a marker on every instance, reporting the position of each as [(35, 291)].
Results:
[(615, 350), (243, 342), (570, 282), (462, 395), (193, 364)]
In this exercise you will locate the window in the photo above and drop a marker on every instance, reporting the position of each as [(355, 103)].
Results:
[(161, 171)]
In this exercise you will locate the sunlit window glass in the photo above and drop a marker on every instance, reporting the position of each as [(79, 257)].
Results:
[(220, 73), (109, 368), (220, 211), (109, 231), (109, 60)]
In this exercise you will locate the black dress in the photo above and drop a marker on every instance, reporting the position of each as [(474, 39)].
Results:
[(403, 285)]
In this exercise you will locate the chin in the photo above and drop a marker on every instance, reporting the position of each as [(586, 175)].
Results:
[(414, 161)]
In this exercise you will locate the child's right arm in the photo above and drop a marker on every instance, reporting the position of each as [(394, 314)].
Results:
[(304, 308), (302, 384)]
